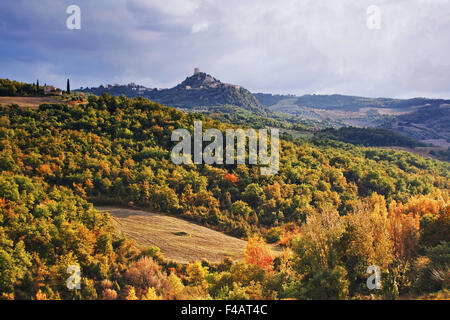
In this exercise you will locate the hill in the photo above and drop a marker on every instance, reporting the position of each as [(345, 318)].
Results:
[(203, 90), (198, 90), (354, 103), (430, 123), (268, 99), (369, 137), (422, 119), (345, 103), (368, 205), (178, 239), (130, 90), (349, 104)]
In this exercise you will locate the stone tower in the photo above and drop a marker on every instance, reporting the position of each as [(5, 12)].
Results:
[(196, 71)]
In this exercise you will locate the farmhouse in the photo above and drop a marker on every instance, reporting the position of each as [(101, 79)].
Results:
[(52, 91)]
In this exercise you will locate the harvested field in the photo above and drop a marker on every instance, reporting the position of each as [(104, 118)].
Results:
[(31, 102), (178, 239)]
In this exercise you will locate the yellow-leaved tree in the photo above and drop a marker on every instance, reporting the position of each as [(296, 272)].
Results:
[(258, 253)]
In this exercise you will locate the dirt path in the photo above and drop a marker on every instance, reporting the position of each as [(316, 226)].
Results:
[(179, 240)]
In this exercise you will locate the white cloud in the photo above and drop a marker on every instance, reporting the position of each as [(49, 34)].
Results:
[(297, 46), (199, 27)]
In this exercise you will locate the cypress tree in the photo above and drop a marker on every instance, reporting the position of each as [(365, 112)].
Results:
[(68, 86), (37, 87)]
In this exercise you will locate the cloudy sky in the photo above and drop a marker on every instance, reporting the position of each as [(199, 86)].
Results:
[(283, 46)]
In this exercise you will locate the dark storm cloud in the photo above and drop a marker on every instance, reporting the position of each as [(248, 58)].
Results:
[(296, 46)]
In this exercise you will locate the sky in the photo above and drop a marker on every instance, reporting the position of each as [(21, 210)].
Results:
[(399, 48)]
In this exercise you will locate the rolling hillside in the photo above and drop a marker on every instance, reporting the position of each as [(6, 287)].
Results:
[(58, 160), (424, 120), (178, 239), (430, 124)]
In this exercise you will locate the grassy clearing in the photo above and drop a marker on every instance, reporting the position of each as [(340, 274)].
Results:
[(178, 239), (31, 102)]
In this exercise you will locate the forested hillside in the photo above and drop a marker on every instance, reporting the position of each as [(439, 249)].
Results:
[(369, 137), (268, 99), (351, 103), (418, 118), (15, 88), (335, 208), (427, 123)]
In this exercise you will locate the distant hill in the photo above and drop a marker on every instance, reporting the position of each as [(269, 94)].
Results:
[(430, 123), (341, 102), (368, 137), (418, 118), (421, 119), (353, 103), (130, 90), (268, 99), (203, 90), (198, 90)]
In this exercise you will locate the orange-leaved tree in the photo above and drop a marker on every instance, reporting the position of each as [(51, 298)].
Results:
[(258, 253), (231, 177)]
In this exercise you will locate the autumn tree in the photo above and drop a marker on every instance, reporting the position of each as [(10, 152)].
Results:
[(146, 273), (404, 231), (317, 246), (366, 240), (196, 273), (257, 253)]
